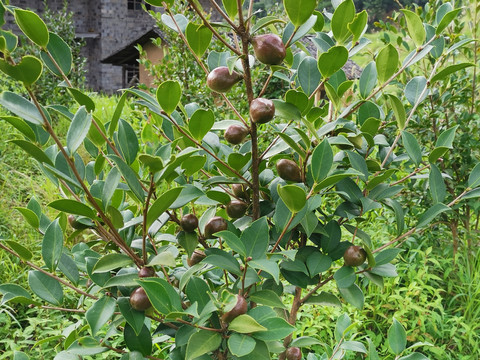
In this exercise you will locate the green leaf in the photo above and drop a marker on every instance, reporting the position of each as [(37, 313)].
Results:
[(255, 238), (245, 324), (32, 26), (233, 242), (438, 190), (333, 179), (368, 80), (342, 17), (398, 110), (446, 20), (231, 8), (188, 240), (18, 355), (415, 27), (168, 95), (473, 178), (69, 268), (201, 343), (268, 298), (386, 62), (293, 196), (164, 258), (110, 262), (117, 113), (269, 266), (60, 52), (45, 287), (238, 161), (141, 342), (28, 70), (324, 299), (15, 290), (299, 11), (414, 356), (450, 70), (200, 123), (20, 125), (223, 260), (345, 277), (353, 295), (73, 207), (130, 177), (30, 216), (111, 184), (286, 110), (277, 329), (333, 60), (412, 147), (24, 253), (358, 25), (21, 107), (162, 204), (318, 263), (78, 129), (82, 99), (358, 163), (241, 345), (322, 161), (198, 291), (431, 214), (415, 90), (99, 313), (304, 341), (52, 245), (33, 150), (397, 337), (127, 142), (162, 295), (198, 37), (133, 317)]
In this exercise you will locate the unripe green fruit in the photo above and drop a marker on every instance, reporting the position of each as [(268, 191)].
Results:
[(240, 308), (235, 134), (220, 79), (214, 225), (146, 271), (139, 300), (288, 170), (294, 353), (236, 209), (354, 256), (196, 257), (262, 110), (189, 222), (269, 49)]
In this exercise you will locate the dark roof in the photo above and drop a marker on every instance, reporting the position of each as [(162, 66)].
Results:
[(129, 54)]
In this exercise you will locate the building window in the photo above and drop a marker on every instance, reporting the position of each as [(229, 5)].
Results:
[(131, 75), (136, 5)]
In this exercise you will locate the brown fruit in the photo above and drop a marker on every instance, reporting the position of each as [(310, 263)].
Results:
[(189, 222), (262, 110), (214, 225), (146, 271), (240, 308), (139, 300), (75, 224), (235, 134), (236, 209), (240, 190), (288, 170), (354, 256), (220, 79), (196, 257), (269, 49), (294, 353)]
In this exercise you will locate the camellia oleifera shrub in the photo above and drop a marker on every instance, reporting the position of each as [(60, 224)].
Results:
[(205, 241)]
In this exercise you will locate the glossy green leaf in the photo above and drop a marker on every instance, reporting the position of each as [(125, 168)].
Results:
[(111, 184), (238, 161), (430, 214), (180, 19), (78, 129), (116, 114), (201, 343), (446, 20), (141, 342), (33, 150), (286, 110), (358, 25), (198, 37), (45, 287), (358, 163), (73, 207), (21, 250), (343, 15), (345, 277), (32, 26), (223, 260), (324, 299), (130, 177), (255, 238), (133, 317), (233, 242), (318, 263), (293, 196), (231, 8), (397, 337), (61, 54), (308, 75), (386, 62), (368, 79), (416, 90), (245, 324), (200, 123), (162, 203), (20, 125), (322, 161), (127, 141), (398, 110), (162, 295), (168, 95), (21, 107), (69, 268), (27, 71), (268, 298), (269, 266), (411, 146), (474, 177), (277, 329), (437, 186), (299, 11), (333, 60), (353, 295), (99, 313), (82, 99), (52, 245), (415, 27), (443, 74), (241, 345), (110, 262), (30, 216)]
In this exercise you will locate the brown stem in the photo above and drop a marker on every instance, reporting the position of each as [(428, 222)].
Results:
[(282, 234), (416, 171), (265, 85), (62, 309), (275, 140), (292, 318), (225, 16), (145, 212)]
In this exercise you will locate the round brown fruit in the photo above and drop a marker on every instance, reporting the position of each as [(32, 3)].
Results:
[(262, 110), (139, 300), (189, 222), (235, 134), (288, 170), (75, 224), (214, 225), (240, 190), (146, 271), (294, 353), (354, 256), (196, 257), (220, 79), (236, 209), (240, 308), (269, 49)]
